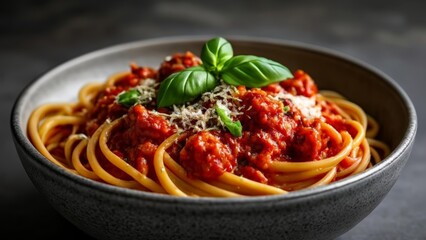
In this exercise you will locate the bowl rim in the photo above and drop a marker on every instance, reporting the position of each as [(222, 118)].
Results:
[(22, 140)]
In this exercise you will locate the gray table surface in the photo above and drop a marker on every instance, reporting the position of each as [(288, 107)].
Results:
[(38, 35)]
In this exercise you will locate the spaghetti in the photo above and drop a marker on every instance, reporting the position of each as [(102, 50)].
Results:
[(293, 136)]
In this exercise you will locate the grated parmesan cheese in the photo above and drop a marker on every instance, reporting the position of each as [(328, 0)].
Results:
[(307, 106), (197, 117), (147, 90)]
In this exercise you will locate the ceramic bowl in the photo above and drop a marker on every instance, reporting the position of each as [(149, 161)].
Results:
[(108, 212)]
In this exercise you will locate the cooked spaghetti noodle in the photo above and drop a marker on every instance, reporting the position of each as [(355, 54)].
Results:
[(293, 136)]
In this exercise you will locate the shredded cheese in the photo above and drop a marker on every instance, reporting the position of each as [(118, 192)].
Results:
[(147, 90), (197, 117), (307, 106), (201, 115)]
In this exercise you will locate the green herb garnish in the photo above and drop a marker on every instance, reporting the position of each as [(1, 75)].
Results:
[(184, 86), (219, 63), (286, 109), (234, 127), (253, 71), (215, 53), (129, 98)]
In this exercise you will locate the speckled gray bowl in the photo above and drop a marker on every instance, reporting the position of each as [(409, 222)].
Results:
[(108, 212)]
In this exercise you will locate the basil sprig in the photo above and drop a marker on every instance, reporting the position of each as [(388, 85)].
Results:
[(219, 63), (234, 127)]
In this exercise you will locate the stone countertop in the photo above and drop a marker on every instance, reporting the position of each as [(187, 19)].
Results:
[(38, 35)]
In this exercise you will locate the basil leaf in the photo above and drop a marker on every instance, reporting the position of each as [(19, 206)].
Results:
[(215, 53), (235, 128), (184, 86), (253, 71), (128, 98)]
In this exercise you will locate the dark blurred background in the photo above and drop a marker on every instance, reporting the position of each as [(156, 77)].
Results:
[(35, 36)]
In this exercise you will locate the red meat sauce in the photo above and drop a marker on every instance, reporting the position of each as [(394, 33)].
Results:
[(269, 132)]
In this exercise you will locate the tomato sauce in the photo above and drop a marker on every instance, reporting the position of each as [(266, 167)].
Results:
[(176, 63), (273, 130)]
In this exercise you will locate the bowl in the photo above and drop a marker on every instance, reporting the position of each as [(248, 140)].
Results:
[(109, 212)]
